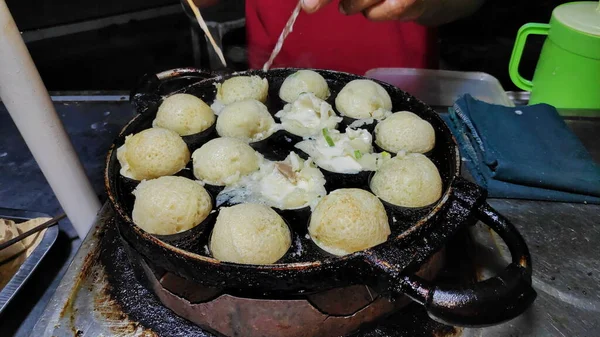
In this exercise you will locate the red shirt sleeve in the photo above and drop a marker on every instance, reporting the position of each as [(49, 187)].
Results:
[(330, 40)]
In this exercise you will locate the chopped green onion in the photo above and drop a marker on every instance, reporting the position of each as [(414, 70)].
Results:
[(386, 155), (328, 138), (357, 154)]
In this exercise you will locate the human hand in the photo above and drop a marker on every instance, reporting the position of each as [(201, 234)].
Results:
[(376, 10)]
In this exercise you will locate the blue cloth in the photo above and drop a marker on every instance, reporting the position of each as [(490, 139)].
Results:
[(523, 153)]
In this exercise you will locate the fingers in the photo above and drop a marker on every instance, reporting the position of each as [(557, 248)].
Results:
[(404, 10), (311, 6), (376, 10), (350, 7)]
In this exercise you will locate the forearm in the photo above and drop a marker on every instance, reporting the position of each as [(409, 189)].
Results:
[(439, 12)]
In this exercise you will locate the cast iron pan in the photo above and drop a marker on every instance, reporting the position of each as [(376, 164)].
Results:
[(388, 267)]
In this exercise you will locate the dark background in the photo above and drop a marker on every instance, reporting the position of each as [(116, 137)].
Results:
[(115, 56)]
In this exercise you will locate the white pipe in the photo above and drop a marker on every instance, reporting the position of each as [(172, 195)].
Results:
[(30, 106)]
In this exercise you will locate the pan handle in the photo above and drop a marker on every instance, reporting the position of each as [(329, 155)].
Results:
[(484, 303), (147, 94)]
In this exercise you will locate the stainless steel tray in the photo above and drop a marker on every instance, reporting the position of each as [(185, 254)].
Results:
[(441, 88), (27, 268)]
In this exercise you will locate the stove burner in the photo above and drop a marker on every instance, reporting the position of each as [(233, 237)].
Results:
[(143, 306)]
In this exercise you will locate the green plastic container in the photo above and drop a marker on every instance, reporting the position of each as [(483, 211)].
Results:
[(567, 75)]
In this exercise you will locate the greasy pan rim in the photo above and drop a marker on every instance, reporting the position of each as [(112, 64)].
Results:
[(109, 167)]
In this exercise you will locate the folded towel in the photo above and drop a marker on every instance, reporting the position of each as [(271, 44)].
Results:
[(525, 152)]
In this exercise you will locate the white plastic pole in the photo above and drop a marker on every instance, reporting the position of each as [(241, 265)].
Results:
[(30, 106)]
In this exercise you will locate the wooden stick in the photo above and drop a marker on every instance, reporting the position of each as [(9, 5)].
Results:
[(286, 31), (206, 31), (32, 231)]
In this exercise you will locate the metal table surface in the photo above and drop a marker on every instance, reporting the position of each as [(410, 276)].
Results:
[(92, 120), (562, 237)]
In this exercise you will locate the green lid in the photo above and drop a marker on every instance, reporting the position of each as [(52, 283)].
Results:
[(575, 26)]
